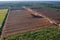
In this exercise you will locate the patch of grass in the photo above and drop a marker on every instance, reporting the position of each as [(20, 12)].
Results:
[(2, 15), (50, 33)]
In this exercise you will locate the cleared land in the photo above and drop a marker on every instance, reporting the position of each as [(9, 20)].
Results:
[(20, 21), (50, 13)]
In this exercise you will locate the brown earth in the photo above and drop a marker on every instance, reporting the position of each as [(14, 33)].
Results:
[(19, 21), (50, 13)]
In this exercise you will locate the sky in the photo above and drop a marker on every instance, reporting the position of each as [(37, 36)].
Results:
[(29, 0)]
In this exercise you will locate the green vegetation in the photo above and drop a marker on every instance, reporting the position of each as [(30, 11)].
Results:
[(46, 5), (3, 13), (38, 5), (54, 6), (50, 33)]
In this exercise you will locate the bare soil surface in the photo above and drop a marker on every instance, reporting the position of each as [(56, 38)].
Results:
[(20, 21), (51, 13)]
